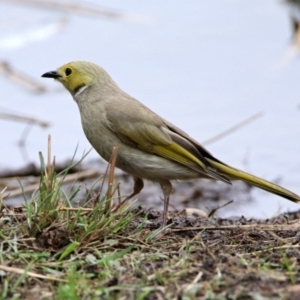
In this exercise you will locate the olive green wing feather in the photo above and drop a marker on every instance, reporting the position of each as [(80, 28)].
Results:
[(149, 133), (200, 149)]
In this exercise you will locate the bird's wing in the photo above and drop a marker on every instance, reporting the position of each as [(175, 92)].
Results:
[(177, 131), (148, 132)]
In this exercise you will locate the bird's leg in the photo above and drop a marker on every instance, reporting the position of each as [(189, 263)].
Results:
[(137, 187), (166, 187)]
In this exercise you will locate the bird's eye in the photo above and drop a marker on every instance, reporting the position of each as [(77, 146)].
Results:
[(68, 71)]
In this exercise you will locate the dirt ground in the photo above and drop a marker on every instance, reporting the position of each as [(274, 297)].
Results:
[(206, 258), (196, 257)]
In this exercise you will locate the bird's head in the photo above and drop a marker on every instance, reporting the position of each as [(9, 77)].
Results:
[(78, 76)]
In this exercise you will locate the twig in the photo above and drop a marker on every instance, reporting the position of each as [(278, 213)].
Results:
[(275, 248), (119, 194), (233, 129), (31, 274), (112, 162), (49, 154), (219, 207), (30, 123), (74, 209), (25, 119), (102, 184), (21, 79), (48, 167), (292, 226), (111, 177), (84, 9), (1, 200), (196, 279), (32, 170), (22, 142), (68, 178), (277, 237)]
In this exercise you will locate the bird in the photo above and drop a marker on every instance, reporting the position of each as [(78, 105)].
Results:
[(149, 147)]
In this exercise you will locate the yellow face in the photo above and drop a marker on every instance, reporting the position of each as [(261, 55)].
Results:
[(74, 76)]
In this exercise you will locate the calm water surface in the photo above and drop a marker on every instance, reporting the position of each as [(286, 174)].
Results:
[(204, 66)]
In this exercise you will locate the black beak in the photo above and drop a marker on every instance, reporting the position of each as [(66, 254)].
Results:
[(51, 74)]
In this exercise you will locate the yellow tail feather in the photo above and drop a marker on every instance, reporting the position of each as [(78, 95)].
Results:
[(253, 180)]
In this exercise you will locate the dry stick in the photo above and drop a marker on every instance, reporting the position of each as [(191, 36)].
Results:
[(2, 192), (31, 274), (22, 141), (48, 168), (111, 181), (295, 226), (30, 122), (49, 154), (21, 79), (104, 177), (68, 178), (119, 195), (219, 207), (102, 184), (233, 129), (195, 281), (1, 200), (112, 162), (25, 119), (31, 170), (84, 9), (74, 209), (111, 177), (277, 237), (274, 248)]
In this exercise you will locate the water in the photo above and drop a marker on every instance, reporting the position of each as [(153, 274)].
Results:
[(204, 66)]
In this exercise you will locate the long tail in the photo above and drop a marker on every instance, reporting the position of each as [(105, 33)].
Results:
[(253, 180)]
